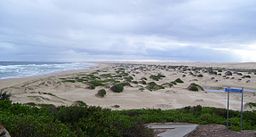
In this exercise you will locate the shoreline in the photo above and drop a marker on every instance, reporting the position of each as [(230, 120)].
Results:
[(13, 81)]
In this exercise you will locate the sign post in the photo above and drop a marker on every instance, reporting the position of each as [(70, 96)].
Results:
[(235, 90), (242, 109), (227, 122)]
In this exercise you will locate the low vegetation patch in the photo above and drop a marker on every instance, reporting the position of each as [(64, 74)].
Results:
[(195, 87), (157, 77), (228, 73), (101, 93), (246, 76), (174, 83), (135, 82), (251, 104), (143, 82), (4, 95), (178, 80), (152, 86), (201, 75), (141, 88), (128, 78), (167, 85), (118, 88), (144, 78)]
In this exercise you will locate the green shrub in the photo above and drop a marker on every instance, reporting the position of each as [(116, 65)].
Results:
[(200, 75), (79, 103), (96, 83), (157, 77), (195, 87), (143, 82), (117, 88), (126, 84), (4, 95), (178, 80), (152, 86), (234, 123), (141, 88), (167, 85), (205, 117), (144, 78), (128, 78), (101, 93), (138, 129), (246, 76), (174, 83), (91, 86), (69, 80), (251, 104), (135, 82)]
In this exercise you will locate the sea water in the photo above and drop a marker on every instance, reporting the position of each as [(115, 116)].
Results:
[(24, 69)]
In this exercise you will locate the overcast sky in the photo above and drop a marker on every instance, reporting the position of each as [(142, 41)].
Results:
[(175, 30)]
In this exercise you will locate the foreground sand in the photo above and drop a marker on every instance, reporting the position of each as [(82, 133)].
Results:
[(58, 90)]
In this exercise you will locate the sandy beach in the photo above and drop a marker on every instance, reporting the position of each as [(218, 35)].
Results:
[(66, 88)]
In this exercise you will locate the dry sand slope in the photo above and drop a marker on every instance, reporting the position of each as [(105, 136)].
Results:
[(66, 89)]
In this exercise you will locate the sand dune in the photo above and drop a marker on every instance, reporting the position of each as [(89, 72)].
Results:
[(69, 87)]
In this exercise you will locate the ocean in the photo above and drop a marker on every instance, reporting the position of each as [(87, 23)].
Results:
[(25, 69)]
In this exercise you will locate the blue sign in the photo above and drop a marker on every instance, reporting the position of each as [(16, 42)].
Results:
[(237, 90)]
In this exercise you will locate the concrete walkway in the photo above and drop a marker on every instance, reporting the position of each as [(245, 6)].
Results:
[(172, 129)]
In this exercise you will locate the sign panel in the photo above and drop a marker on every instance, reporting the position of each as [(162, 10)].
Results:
[(237, 90)]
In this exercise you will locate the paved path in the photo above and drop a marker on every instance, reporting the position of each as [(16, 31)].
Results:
[(172, 129)]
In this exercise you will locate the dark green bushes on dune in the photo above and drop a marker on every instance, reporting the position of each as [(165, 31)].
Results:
[(4, 95), (195, 87), (101, 93), (178, 80), (117, 88), (152, 86), (157, 77)]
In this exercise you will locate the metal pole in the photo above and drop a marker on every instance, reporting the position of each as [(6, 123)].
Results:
[(242, 107), (227, 108)]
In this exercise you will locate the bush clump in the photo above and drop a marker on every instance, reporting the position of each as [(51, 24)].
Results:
[(246, 76), (143, 82), (95, 83), (167, 85), (135, 82), (228, 73), (251, 104), (128, 78), (4, 95), (101, 93), (178, 80), (200, 75), (152, 86), (174, 83), (195, 87), (144, 78), (157, 77), (118, 88)]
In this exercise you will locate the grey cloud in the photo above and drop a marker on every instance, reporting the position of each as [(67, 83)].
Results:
[(148, 29)]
